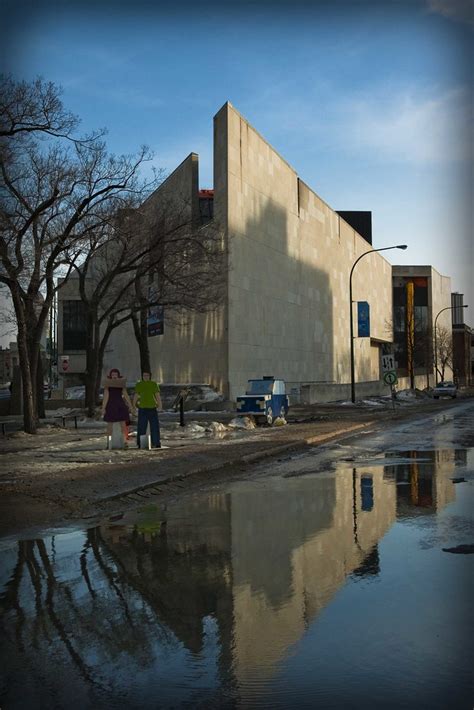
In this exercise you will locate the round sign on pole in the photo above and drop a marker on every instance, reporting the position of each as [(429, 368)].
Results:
[(390, 378)]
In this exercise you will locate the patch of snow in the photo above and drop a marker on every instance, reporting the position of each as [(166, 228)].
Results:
[(406, 395), (279, 421), (194, 428), (242, 423), (215, 427), (60, 412), (78, 392)]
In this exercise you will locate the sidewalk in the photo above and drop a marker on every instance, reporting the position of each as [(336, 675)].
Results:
[(61, 473)]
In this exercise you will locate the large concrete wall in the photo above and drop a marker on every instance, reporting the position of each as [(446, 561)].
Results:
[(290, 258), (193, 347)]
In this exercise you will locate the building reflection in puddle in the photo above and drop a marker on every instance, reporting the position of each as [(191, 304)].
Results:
[(208, 593)]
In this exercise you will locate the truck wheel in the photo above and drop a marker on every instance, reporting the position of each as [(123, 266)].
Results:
[(269, 416)]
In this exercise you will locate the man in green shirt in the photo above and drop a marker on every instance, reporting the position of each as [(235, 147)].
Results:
[(147, 398)]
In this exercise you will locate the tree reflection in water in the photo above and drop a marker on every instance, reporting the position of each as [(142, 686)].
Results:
[(197, 599)]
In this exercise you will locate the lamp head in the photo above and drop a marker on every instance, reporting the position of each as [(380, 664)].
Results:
[(401, 246)]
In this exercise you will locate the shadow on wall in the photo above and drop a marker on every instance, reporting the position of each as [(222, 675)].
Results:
[(281, 306)]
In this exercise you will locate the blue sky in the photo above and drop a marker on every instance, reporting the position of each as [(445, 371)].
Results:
[(370, 102)]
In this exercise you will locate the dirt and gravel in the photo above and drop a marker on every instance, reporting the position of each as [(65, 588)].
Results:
[(63, 475)]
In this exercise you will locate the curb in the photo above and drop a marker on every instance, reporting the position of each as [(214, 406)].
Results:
[(248, 458)]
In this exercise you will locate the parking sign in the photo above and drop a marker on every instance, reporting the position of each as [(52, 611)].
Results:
[(388, 362)]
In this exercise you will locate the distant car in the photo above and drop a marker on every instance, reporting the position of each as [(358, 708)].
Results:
[(265, 399), (445, 389)]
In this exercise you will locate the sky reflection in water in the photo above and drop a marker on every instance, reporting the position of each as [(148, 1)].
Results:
[(323, 590)]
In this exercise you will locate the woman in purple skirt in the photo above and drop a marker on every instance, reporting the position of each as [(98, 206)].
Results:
[(116, 405)]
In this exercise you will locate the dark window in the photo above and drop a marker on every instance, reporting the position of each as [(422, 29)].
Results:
[(74, 325), (399, 319), (421, 296), (421, 319), (399, 296), (206, 209)]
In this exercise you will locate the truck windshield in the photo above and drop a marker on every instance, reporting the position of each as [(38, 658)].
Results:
[(260, 387)]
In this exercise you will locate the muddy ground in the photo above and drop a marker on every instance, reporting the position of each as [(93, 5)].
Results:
[(62, 475)]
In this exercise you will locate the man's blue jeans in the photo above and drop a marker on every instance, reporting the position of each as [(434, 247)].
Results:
[(151, 416)]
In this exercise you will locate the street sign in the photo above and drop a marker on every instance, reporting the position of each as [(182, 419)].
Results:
[(155, 320), (64, 363), (388, 362), (390, 378)]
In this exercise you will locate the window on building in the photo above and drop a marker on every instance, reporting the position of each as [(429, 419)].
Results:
[(421, 319), (206, 209), (399, 319), (74, 325)]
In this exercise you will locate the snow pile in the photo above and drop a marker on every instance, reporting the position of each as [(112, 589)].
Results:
[(191, 428), (210, 395), (373, 403), (242, 423), (406, 395), (60, 412), (78, 392), (216, 427), (279, 421)]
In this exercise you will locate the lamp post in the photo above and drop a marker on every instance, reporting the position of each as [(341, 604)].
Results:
[(448, 308), (351, 320)]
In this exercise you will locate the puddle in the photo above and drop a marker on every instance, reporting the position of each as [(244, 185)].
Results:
[(330, 590)]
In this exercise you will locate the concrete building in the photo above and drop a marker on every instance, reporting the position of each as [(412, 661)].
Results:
[(287, 303), (421, 296), (286, 307)]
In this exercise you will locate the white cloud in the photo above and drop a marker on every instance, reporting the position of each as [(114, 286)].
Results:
[(407, 126), (398, 124)]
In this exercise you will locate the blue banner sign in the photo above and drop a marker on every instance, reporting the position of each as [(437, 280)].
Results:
[(155, 320), (363, 319)]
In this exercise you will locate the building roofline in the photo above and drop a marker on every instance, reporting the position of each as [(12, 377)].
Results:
[(190, 155), (420, 266), (229, 104)]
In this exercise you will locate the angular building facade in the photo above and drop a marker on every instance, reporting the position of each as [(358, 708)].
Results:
[(286, 310)]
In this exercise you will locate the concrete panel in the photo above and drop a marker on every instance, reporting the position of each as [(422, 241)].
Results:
[(290, 257)]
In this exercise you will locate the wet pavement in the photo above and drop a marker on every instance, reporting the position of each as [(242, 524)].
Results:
[(336, 578)]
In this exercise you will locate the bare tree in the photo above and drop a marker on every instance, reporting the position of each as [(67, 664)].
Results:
[(52, 195), (32, 108), (133, 264), (444, 350), (184, 272)]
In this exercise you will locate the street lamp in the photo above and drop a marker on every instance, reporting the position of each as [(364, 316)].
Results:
[(448, 308), (398, 246)]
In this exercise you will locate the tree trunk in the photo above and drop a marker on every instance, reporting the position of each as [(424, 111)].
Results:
[(40, 410), (30, 417), (92, 383), (91, 374), (140, 329)]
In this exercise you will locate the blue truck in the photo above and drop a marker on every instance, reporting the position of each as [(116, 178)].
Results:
[(265, 399)]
